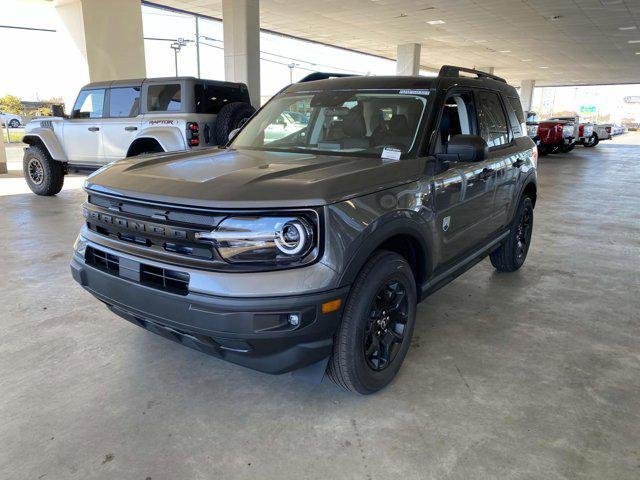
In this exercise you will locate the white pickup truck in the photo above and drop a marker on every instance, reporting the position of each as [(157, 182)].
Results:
[(118, 119)]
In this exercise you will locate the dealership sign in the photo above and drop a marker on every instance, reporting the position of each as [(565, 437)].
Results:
[(587, 109)]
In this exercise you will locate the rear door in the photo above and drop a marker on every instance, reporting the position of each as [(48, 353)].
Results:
[(81, 133), (500, 172), (123, 121)]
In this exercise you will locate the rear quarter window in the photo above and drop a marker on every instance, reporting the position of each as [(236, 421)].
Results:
[(164, 98), (516, 116)]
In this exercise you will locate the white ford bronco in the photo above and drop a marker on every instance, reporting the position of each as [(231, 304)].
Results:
[(117, 119)]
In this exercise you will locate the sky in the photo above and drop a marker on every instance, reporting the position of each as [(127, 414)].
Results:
[(43, 65)]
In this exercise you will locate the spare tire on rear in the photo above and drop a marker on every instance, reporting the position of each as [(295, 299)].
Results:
[(229, 118)]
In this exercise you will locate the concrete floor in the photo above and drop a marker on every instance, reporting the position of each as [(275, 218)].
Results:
[(530, 375)]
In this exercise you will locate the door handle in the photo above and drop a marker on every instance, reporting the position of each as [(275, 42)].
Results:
[(130, 129), (93, 129), (486, 173), (518, 163)]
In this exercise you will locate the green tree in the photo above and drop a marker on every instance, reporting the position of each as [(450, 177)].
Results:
[(10, 104)]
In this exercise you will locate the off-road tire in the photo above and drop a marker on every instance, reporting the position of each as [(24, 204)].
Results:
[(229, 118), (348, 366), (596, 141), (506, 258), (51, 170)]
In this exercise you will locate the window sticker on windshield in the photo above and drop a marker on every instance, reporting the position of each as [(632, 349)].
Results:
[(391, 153), (414, 92)]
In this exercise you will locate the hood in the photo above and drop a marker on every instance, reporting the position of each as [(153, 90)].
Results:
[(216, 178)]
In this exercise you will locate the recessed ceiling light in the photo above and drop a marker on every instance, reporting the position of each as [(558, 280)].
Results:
[(637, 53), (504, 51), (633, 41), (543, 66), (627, 28), (525, 60), (435, 22)]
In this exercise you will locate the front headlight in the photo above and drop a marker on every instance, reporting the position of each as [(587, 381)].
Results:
[(264, 239)]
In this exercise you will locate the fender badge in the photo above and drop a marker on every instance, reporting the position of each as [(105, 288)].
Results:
[(445, 223)]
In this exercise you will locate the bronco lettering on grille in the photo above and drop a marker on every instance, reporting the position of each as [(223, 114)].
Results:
[(136, 225)]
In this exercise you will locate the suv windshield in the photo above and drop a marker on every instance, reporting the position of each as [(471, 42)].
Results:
[(353, 122)]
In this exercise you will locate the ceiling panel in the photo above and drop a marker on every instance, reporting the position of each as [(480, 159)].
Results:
[(580, 41)]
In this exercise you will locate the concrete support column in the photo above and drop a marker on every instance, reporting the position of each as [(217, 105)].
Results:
[(408, 62), (526, 94), (3, 152), (485, 69), (241, 27), (108, 34)]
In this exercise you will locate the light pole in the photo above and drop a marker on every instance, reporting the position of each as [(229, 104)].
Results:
[(291, 67), (177, 46)]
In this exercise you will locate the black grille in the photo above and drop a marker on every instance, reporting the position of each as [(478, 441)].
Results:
[(172, 214), (164, 279), (102, 260)]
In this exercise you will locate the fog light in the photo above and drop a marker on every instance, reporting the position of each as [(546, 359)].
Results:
[(294, 319)]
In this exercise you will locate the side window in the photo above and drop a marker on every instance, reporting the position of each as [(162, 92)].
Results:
[(516, 116), (164, 98), (89, 104), (457, 118), (491, 120), (285, 124), (124, 102)]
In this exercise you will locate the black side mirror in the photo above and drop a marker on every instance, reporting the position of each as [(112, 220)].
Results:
[(467, 148)]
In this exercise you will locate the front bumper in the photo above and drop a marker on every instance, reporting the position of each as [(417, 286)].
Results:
[(253, 332)]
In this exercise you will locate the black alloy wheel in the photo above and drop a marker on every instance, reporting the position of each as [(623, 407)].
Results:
[(385, 329), (523, 234), (35, 171)]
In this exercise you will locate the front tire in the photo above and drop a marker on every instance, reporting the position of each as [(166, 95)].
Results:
[(377, 325), (44, 175), (567, 148), (510, 256), (14, 123), (593, 141)]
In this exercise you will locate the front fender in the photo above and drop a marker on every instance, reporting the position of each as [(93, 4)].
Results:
[(170, 139), (50, 141), (356, 228)]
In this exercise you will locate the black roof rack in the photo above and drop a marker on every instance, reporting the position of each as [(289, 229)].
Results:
[(453, 71), (324, 76)]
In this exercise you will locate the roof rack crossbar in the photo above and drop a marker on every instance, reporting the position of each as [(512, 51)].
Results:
[(324, 76), (453, 71)]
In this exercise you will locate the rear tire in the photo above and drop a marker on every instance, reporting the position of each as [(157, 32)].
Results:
[(44, 175), (510, 256), (14, 123), (230, 117), (377, 325)]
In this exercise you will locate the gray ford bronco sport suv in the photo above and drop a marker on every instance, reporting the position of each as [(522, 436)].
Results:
[(310, 251)]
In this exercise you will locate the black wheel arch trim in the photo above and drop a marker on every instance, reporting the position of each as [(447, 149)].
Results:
[(530, 179), (376, 235)]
